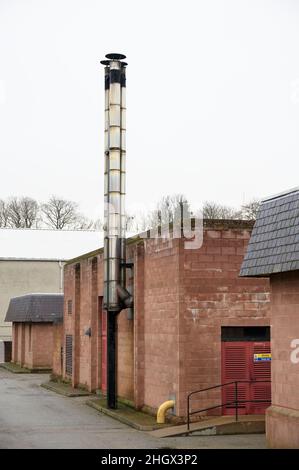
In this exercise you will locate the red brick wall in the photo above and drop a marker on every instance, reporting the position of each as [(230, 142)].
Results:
[(57, 345), (125, 344), (98, 301), (282, 421), (28, 345), (182, 298), (161, 321), (85, 289), (42, 345), (95, 345), (125, 356), (14, 342), (22, 343), (18, 343), (213, 295), (138, 334), (68, 318), (85, 323), (35, 349)]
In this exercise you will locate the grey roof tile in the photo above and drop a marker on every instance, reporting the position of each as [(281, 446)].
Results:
[(38, 308), (274, 242)]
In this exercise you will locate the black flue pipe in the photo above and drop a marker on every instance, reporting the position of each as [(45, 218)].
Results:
[(111, 360)]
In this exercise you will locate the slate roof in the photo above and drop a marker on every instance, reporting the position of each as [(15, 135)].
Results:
[(37, 308), (274, 242)]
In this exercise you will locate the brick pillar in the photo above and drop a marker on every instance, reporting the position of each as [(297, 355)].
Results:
[(94, 323), (76, 333), (22, 358), (57, 366), (14, 342), (139, 326)]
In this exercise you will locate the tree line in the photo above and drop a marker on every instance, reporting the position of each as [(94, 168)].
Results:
[(171, 208), (62, 214), (56, 213)]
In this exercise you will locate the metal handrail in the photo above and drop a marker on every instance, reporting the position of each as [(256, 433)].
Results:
[(235, 402)]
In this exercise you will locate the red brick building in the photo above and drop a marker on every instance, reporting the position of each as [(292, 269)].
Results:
[(34, 319), (185, 302), (274, 252)]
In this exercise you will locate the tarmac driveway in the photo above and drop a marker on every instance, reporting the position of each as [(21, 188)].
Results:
[(32, 417)]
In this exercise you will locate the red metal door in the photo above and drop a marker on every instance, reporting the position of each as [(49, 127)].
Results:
[(104, 351), (260, 370), (238, 364), (235, 358)]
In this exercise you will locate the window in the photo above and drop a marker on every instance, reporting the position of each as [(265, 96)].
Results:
[(69, 307)]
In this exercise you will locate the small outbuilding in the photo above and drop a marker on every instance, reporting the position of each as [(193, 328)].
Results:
[(31, 260), (273, 252), (34, 318)]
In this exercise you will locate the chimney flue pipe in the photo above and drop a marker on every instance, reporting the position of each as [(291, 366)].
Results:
[(116, 297)]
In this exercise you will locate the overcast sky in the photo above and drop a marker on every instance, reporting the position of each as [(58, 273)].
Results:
[(212, 98)]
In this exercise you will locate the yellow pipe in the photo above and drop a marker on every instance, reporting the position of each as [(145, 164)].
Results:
[(162, 410)]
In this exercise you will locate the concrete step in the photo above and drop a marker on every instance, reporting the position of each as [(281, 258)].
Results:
[(17, 369), (246, 424), (127, 415), (65, 389)]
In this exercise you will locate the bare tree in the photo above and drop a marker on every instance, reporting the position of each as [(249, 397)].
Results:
[(21, 212), (250, 210), (57, 213), (171, 207), (214, 210), (29, 211), (60, 213), (168, 209), (211, 210), (4, 214), (14, 213)]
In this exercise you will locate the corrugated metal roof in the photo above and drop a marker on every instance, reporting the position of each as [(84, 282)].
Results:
[(37, 308), (274, 243), (37, 244)]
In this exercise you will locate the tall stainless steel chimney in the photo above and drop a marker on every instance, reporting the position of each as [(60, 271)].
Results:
[(116, 297)]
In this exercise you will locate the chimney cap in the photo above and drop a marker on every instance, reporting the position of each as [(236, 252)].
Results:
[(115, 56)]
